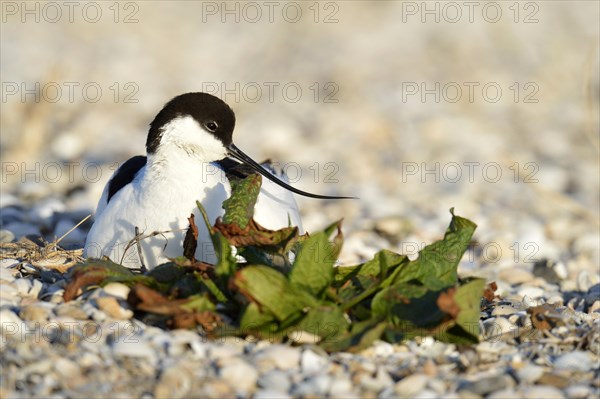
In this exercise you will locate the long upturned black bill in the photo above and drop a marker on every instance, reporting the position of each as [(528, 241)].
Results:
[(236, 153)]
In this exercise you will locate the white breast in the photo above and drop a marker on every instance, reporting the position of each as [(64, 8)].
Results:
[(159, 205)]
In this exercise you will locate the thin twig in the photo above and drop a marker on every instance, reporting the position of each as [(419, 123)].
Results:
[(70, 231), (139, 248)]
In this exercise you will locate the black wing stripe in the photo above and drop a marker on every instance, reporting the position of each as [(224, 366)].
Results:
[(125, 175)]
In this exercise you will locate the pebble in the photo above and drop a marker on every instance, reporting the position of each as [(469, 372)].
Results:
[(243, 373), (377, 382), (542, 391), (578, 391), (498, 328), (530, 373), (531, 292), (132, 346), (504, 310), (73, 311), (174, 383), (574, 361), (515, 275), (507, 393), (270, 394), (6, 236), (276, 380), (281, 356), (112, 308), (341, 387), (312, 363), (411, 385), (584, 281), (117, 290), (487, 385), (36, 312)]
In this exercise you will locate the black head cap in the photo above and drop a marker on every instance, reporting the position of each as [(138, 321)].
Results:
[(212, 114)]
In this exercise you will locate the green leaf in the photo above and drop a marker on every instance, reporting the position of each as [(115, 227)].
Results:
[(363, 281), (313, 268), (405, 302), (272, 292), (260, 324), (198, 303), (437, 263), (468, 299), (226, 263), (361, 336), (327, 322), (239, 207)]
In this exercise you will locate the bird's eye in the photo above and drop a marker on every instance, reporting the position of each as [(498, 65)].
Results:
[(211, 126)]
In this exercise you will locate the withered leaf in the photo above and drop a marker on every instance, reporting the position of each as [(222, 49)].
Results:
[(447, 304), (544, 317), (190, 242), (490, 291), (255, 235)]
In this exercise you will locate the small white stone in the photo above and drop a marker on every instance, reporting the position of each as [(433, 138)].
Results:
[(375, 384), (317, 385), (584, 281), (503, 310), (281, 356), (224, 351), (7, 275), (8, 291), (174, 382), (574, 361), (507, 393), (8, 263), (132, 346), (36, 288), (111, 306), (6, 236), (242, 374), (411, 385), (66, 368), (542, 391), (341, 387), (531, 292), (38, 312), (530, 373), (382, 348), (22, 286), (561, 270), (578, 391), (426, 394), (498, 328), (117, 289), (515, 275), (275, 380), (311, 362), (270, 394)]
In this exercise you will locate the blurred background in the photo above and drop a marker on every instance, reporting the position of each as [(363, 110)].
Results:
[(415, 107)]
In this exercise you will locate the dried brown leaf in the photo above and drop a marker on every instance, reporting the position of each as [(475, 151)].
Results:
[(490, 291), (447, 304), (190, 242)]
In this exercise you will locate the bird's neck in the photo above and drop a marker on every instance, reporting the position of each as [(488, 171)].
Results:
[(175, 165)]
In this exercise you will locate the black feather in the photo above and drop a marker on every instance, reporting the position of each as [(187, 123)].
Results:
[(125, 175)]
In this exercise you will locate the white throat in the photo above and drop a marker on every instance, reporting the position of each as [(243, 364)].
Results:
[(183, 137)]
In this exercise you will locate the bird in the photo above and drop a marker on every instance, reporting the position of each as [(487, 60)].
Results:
[(190, 156)]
